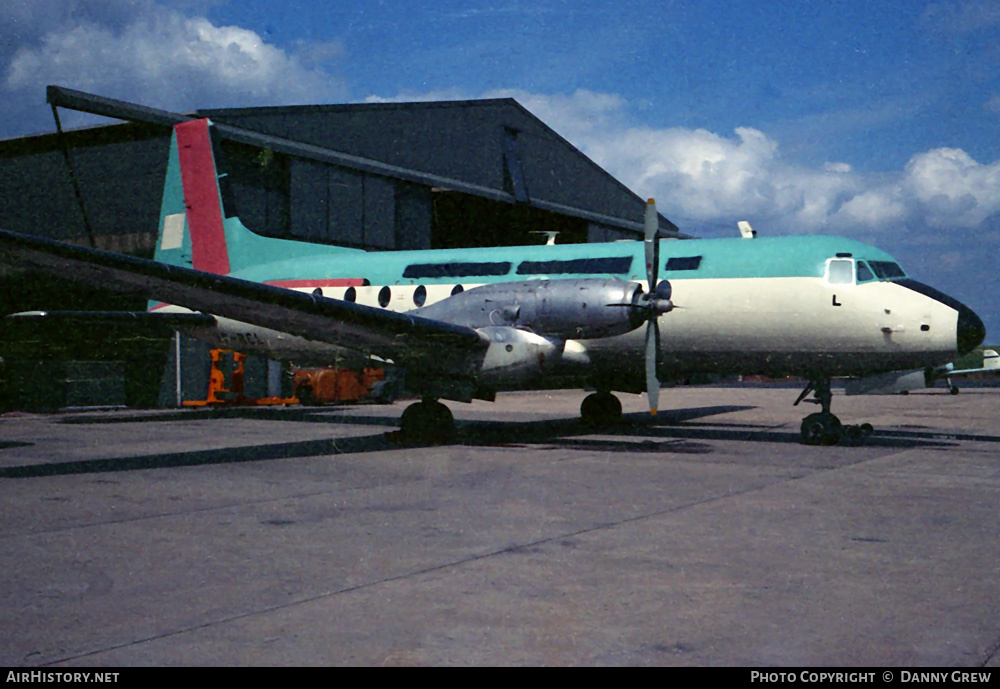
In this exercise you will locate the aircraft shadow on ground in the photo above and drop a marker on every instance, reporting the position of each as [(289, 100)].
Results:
[(301, 414), (475, 433), (5, 444), (670, 432), (225, 455), (679, 432)]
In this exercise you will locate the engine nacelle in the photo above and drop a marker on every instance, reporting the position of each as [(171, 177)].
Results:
[(586, 308)]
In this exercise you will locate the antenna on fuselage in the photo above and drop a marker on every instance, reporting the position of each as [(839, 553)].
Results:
[(550, 234)]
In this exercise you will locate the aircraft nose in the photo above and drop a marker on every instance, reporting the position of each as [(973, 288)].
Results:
[(971, 331)]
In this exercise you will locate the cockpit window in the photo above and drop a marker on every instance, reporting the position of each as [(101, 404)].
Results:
[(887, 270), (840, 272), (864, 273)]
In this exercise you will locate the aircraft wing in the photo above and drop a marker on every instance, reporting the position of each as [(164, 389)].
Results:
[(439, 346)]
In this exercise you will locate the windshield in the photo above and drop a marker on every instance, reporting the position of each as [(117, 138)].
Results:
[(847, 271), (887, 270), (864, 274)]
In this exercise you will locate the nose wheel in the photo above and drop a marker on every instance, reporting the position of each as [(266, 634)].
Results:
[(823, 427)]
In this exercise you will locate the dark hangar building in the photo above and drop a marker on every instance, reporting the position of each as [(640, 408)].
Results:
[(381, 176)]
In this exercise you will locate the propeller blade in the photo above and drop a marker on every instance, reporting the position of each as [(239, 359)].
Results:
[(652, 227), (652, 350)]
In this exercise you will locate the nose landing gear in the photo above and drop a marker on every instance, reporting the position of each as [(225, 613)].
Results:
[(823, 427)]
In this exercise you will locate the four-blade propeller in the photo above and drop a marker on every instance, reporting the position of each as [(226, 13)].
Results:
[(655, 302)]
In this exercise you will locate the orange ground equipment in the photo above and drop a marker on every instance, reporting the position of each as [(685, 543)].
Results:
[(332, 385), (225, 383)]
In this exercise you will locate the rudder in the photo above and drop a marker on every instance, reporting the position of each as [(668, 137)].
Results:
[(191, 231)]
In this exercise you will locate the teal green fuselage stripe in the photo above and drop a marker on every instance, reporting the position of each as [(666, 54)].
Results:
[(264, 258)]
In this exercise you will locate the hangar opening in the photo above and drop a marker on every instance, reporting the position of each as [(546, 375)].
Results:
[(461, 220)]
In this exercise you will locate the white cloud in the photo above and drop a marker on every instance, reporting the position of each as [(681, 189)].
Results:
[(953, 189), (421, 96), (147, 53)]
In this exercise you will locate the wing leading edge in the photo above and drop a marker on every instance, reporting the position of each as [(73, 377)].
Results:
[(452, 350)]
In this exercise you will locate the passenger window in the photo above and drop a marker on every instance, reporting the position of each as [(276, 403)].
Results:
[(419, 295), (840, 272), (864, 274)]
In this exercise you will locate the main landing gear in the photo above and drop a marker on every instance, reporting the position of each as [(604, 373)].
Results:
[(600, 409), (427, 421), (823, 428)]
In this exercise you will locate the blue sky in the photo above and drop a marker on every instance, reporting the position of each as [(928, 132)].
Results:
[(876, 120)]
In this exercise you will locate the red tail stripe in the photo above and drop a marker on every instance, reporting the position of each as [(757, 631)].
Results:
[(201, 198)]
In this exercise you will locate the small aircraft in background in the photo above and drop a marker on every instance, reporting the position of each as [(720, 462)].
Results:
[(902, 382), (991, 366), (468, 323)]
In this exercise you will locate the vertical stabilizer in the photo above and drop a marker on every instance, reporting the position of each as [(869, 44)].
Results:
[(191, 230)]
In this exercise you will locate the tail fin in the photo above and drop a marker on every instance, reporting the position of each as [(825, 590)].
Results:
[(192, 233), (198, 225)]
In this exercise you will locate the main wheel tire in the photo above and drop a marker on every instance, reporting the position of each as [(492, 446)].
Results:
[(821, 428), (601, 409), (427, 421)]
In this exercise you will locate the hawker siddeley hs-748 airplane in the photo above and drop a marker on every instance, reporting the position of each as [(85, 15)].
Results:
[(467, 323)]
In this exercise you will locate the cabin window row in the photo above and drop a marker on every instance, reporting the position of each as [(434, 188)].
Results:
[(385, 294), (578, 266)]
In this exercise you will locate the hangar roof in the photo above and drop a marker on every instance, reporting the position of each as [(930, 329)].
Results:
[(494, 144), (492, 148)]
